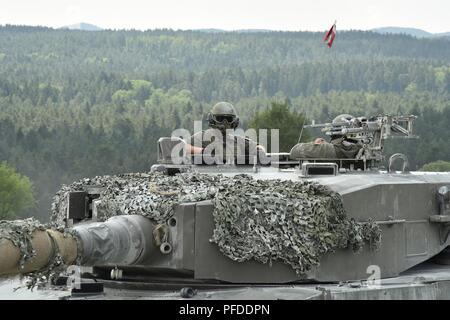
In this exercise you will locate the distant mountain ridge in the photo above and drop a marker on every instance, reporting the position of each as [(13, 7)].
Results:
[(444, 34), (212, 30), (419, 33), (82, 26), (415, 32)]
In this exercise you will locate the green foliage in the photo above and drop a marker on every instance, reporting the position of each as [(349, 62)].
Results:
[(15, 192), (437, 166), (289, 123)]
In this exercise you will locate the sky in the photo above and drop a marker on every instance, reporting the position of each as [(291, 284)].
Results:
[(294, 15)]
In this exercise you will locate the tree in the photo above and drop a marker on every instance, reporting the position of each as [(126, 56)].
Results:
[(437, 166), (279, 116), (16, 192)]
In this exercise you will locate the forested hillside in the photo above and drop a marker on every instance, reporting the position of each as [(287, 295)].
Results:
[(77, 103)]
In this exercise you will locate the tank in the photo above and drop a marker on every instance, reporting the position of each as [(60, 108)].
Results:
[(184, 250)]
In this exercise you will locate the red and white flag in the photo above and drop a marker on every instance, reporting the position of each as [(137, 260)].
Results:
[(330, 35)]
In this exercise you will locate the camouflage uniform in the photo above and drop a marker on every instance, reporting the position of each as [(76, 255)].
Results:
[(231, 144), (311, 150), (345, 149), (339, 148)]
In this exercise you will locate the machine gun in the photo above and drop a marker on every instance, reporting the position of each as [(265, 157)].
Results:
[(370, 134)]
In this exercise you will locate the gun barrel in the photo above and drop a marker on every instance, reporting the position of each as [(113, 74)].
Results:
[(46, 244), (124, 240), (320, 125)]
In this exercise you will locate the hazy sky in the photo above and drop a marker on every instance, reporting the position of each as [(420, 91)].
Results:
[(430, 15)]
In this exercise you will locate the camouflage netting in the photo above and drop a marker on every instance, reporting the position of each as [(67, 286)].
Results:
[(296, 222), (19, 232)]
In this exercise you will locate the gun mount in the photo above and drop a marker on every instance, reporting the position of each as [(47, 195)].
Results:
[(369, 134)]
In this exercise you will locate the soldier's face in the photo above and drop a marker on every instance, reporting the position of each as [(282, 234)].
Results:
[(319, 141)]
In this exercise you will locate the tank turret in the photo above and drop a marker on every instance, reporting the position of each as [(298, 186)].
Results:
[(289, 222)]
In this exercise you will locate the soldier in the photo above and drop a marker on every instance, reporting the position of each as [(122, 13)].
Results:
[(345, 147), (318, 149), (220, 139), (340, 146)]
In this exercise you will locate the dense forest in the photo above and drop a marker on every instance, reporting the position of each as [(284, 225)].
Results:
[(77, 103)]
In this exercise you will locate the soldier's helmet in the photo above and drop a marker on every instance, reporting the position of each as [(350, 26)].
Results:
[(223, 116), (342, 120)]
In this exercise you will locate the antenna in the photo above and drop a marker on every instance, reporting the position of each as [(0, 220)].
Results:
[(303, 126)]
